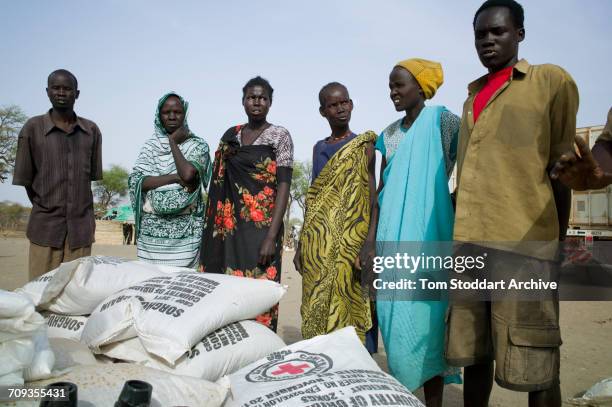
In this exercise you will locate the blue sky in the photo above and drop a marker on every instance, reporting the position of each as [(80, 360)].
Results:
[(126, 54)]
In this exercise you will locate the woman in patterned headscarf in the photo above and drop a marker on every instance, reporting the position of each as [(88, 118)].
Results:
[(248, 196), (418, 155), (166, 187)]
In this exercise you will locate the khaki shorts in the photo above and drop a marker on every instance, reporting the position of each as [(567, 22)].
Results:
[(522, 337), (43, 259)]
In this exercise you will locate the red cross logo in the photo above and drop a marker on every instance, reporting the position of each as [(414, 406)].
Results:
[(288, 368)]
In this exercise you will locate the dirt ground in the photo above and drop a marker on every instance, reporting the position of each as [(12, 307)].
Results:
[(586, 354)]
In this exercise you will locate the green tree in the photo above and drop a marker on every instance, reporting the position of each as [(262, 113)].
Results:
[(12, 119), (13, 216), (300, 182), (114, 185)]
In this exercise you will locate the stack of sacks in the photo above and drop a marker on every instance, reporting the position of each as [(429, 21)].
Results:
[(24, 347), (167, 318), (328, 370), (68, 294), (184, 323), (218, 354)]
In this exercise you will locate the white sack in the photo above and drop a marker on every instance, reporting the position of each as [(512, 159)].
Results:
[(100, 385), (69, 353), (12, 379), (598, 395), (220, 353), (65, 326), (171, 313), (43, 360), (77, 287), (16, 355), (48, 286), (328, 370), (18, 318)]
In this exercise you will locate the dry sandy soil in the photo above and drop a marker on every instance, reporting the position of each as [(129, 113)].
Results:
[(586, 354)]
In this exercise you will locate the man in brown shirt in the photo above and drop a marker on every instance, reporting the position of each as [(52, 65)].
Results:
[(590, 169), (58, 155), (517, 121)]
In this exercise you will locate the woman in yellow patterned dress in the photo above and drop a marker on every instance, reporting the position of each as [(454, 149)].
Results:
[(336, 223)]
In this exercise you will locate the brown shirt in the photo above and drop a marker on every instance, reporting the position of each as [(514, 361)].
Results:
[(504, 190), (57, 169)]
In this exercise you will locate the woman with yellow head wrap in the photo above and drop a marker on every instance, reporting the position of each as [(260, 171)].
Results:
[(428, 74), (418, 153)]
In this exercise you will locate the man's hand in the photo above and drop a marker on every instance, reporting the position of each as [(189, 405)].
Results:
[(579, 172)]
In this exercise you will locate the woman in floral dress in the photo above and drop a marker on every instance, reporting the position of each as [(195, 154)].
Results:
[(248, 196)]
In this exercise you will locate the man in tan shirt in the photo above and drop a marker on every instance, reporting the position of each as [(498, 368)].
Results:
[(517, 121)]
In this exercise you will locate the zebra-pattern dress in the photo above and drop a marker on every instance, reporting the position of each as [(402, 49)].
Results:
[(335, 228)]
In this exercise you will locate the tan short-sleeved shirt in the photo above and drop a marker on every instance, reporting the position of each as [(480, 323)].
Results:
[(504, 190), (57, 169)]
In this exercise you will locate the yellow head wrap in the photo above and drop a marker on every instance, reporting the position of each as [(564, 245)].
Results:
[(428, 74)]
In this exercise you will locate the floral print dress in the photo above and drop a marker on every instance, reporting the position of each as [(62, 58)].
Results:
[(240, 206)]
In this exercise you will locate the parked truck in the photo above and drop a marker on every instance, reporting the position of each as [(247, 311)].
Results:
[(591, 213)]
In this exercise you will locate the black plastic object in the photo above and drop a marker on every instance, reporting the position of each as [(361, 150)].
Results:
[(135, 393), (70, 388)]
